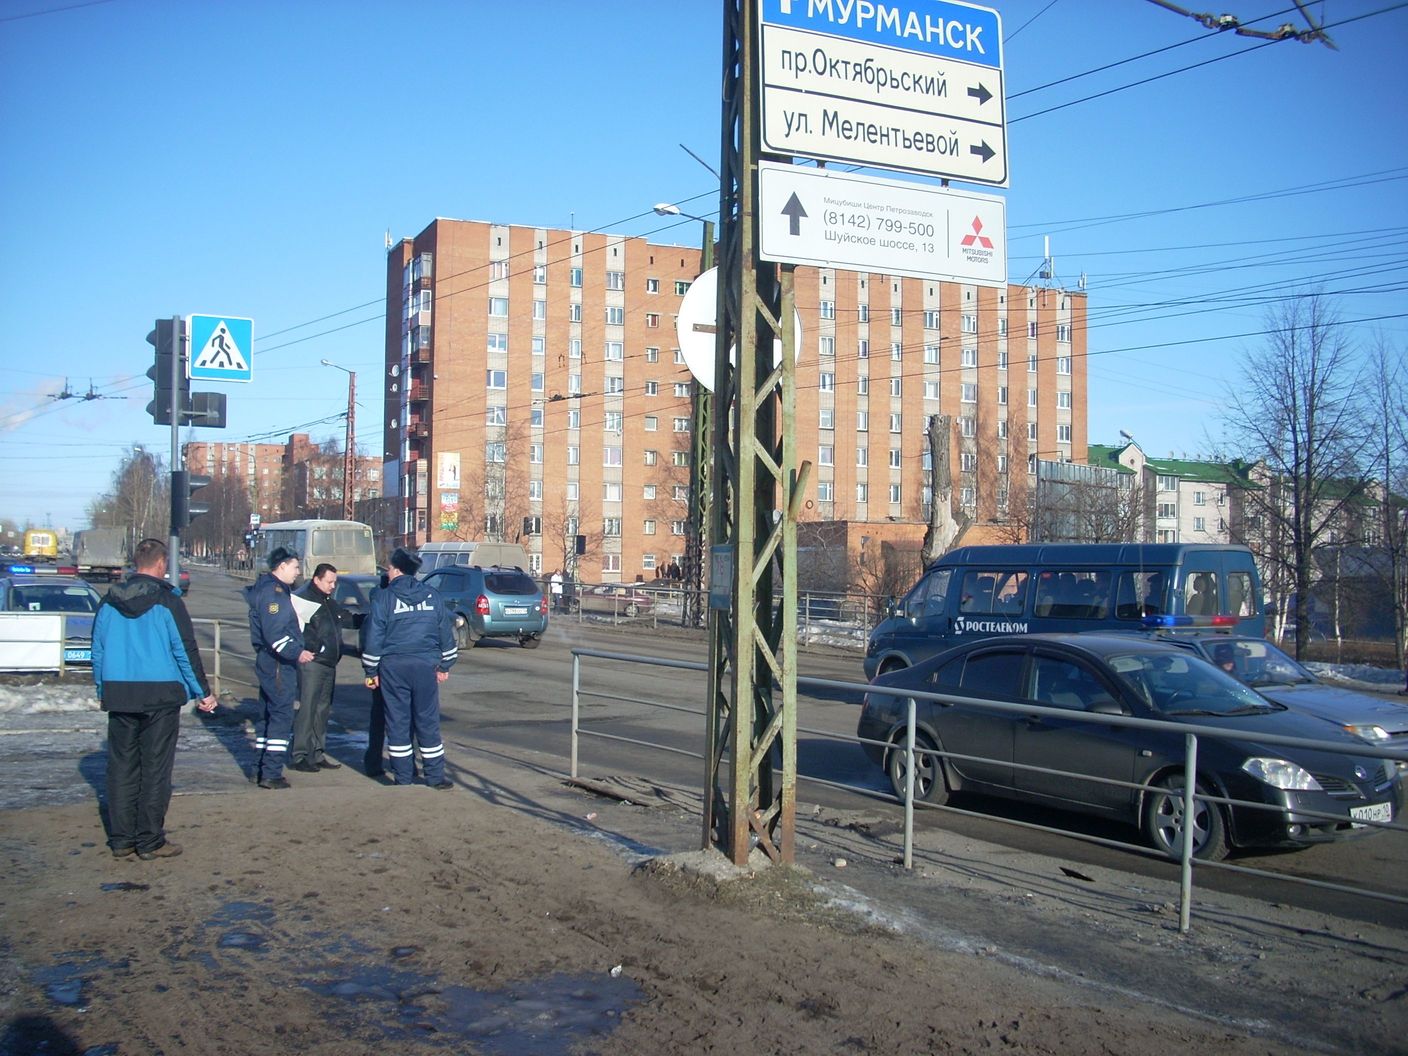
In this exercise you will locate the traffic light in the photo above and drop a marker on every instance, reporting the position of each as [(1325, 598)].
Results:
[(166, 339), (183, 485)]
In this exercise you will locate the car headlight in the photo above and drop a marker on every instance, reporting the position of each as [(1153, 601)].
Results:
[(1279, 773), (1368, 731)]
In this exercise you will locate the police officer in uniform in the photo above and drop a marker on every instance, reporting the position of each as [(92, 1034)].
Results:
[(410, 648), (275, 632)]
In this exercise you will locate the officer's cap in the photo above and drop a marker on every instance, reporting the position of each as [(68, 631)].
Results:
[(405, 561), (279, 555)]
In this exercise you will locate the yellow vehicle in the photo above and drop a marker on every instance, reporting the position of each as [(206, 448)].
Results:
[(41, 544)]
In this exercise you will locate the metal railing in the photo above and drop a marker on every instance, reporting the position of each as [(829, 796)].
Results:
[(1190, 793)]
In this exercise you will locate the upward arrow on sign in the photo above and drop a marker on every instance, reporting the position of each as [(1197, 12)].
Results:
[(794, 212)]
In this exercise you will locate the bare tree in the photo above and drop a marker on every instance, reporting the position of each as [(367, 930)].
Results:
[(222, 529), (1385, 396), (139, 500), (1293, 410), (945, 527)]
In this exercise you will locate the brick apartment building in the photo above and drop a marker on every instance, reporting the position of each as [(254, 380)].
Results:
[(289, 480), (534, 390)]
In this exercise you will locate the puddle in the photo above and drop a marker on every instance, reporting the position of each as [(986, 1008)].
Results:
[(537, 1017), (124, 885), (63, 983)]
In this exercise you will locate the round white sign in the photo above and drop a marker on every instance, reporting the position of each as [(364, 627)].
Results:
[(695, 329)]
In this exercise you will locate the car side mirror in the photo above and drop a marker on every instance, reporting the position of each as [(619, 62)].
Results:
[(1106, 706)]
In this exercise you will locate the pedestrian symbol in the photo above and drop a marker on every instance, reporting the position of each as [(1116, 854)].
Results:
[(221, 348)]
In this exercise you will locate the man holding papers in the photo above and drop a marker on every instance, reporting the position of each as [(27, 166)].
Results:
[(322, 636)]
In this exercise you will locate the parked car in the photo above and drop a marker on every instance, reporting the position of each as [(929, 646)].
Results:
[(23, 591), (1118, 675), (612, 599), (1275, 675), (353, 593), (492, 603)]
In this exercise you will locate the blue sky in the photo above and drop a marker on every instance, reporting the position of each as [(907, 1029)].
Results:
[(161, 158)]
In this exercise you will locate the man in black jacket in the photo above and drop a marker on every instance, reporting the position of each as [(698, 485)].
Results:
[(322, 636), (146, 665)]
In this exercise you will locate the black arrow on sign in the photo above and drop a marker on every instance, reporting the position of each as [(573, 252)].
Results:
[(794, 212), (980, 93), (985, 152)]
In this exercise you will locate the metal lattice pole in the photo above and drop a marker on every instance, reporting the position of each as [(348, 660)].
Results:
[(752, 678)]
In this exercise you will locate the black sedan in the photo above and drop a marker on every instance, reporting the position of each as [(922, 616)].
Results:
[(353, 596), (1009, 753)]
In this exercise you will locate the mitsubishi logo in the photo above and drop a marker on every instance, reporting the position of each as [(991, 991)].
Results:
[(977, 237)]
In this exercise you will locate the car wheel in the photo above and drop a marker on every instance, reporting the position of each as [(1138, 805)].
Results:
[(1164, 822), (574, 606), (464, 633), (929, 784), (892, 664), (633, 609), (530, 641)]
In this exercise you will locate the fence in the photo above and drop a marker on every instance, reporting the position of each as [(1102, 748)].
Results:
[(1189, 733), (39, 641)]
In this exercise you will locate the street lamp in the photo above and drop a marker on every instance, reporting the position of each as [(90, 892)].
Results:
[(349, 456)]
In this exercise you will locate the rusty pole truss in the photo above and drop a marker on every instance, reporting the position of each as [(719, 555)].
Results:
[(752, 716)]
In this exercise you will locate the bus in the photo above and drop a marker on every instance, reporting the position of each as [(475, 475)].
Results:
[(346, 545), (986, 591), (41, 544)]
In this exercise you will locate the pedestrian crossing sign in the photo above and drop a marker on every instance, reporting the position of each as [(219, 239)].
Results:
[(221, 349)]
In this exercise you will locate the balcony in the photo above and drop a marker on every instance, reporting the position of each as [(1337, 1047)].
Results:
[(418, 430), (421, 356), (418, 392)]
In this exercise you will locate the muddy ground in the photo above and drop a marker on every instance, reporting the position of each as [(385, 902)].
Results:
[(517, 914)]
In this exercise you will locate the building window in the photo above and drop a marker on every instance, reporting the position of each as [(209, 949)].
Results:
[(1002, 360), (968, 462), (535, 454), (574, 277), (864, 312), (1063, 332), (681, 287), (896, 351), (535, 490), (970, 357), (1031, 397), (677, 527), (647, 527), (1167, 483), (494, 451), (969, 324), (651, 457), (535, 381), (679, 458), (497, 342), (1002, 428), (897, 386), (574, 383), (613, 420), (827, 382), (574, 348), (680, 492), (863, 385), (649, 490), (1168, 509), (615, 352), (967, 425), (615, 280), (823, 491), (681, 390), (540, 309), (826, 346), (615, 315), (535, 418), (862, 457), (611, 491), (652, 320), (610, 456), (1031, 328), (615, 386), (540, 274), (651, 423), (1002, 395), (862, 492), (652, 285), (931, 390), (1063, 364), (931, 355), (681, 425), (896, 316), (1200, 498), (496, 379), (1002, 463), (1063, 434), (652, 388), (826, 455), (826, 418), (498, 306), (895, 493), (574, 419), (828, 309), (492, 416), (862, 421), (931, 319), (894, 458), (498, 269), (966, 495), (969, 392), (574, 455), (611, 526), (679, 357), (1200, 524), (863, 349), (896, 422), (574, 313), (1063, 400), (1031, 431), (652, 355)]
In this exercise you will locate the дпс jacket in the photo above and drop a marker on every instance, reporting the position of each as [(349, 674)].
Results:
[(273, 623), (406, 618), (145, 655), (322, 635)]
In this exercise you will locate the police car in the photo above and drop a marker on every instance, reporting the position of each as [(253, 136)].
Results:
[(54, 589)]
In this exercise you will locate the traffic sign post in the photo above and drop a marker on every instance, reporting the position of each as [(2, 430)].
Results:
[(834, 219), (914, 86)]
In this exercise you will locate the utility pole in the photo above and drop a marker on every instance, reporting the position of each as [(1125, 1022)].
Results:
[(752, 642), (700, 479), (349, 450)]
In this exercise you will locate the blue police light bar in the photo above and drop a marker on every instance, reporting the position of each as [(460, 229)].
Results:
[(21, 570), (1189, 621)]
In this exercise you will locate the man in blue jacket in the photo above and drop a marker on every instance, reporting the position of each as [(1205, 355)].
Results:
[(276, 634), (410, 648), (146, 665)]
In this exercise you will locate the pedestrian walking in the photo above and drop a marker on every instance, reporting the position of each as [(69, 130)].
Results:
[(410, 648), (555, 586), (146, 665), (277, 639), (322, 636)]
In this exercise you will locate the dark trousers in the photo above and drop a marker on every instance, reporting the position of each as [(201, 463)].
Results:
[(278, 689), (310, 722), (376, 736), (141, 751), (412, 708)]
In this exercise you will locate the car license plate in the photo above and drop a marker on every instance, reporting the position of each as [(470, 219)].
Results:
[(1373, 812), (515, 610), (72, 656)]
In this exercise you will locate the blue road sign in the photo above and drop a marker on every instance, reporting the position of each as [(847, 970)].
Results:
[(221, 349)]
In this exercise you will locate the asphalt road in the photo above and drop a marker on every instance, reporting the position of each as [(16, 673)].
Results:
[(519, 700)]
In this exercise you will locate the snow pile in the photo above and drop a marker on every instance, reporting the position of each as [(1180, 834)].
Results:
[(1358, 676), (44, 699)]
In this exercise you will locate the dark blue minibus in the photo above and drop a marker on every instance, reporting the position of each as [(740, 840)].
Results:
[(983, 591)]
